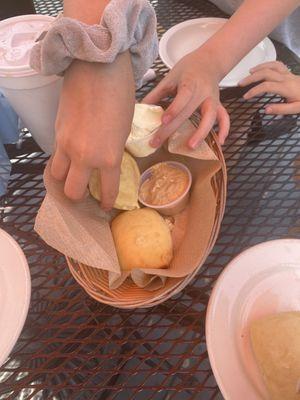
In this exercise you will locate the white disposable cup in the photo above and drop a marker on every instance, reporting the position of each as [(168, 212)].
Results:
[(34, 97)]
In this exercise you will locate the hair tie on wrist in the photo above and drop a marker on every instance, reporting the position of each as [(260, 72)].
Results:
[(125, 25)]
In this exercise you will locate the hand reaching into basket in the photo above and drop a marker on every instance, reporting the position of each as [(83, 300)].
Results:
[(94, 116), (194, 80), (192, 89), (93, 122), (275, 78)]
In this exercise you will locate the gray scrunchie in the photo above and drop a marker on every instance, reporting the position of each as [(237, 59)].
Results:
[(125, 24)]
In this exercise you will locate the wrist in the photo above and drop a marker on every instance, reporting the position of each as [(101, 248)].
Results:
[(208, 55), (88, 12)]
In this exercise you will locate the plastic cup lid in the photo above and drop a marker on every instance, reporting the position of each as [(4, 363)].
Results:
[(17, 37)]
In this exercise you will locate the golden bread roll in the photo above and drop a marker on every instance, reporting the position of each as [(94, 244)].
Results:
[(142, 239), (127, 198), (276, 343)]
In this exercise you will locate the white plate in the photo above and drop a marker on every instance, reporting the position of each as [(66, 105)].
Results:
[(262, 280), (15, 288), (185, 37)]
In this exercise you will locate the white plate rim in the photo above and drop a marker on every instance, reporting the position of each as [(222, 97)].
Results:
[(225, 83), (18, 326), (211, 304)]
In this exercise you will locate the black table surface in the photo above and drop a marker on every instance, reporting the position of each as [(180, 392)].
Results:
[(72, 347)]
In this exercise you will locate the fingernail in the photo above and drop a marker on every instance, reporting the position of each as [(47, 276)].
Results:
[(155, 142), (105, 208), (268, 110), (193, 144), (166, 119), (245, 96)]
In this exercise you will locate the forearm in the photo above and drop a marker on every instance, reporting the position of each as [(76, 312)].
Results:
[(254, 20), (88, 11)]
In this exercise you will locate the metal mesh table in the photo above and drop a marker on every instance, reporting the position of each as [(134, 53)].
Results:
[(74, 348)]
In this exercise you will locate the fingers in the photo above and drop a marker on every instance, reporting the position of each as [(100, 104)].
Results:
[(182, 98), (162, 90), (60, 165), (265, 74), (265, 87), (166, 131), (274, 65), (110, 180), (208, 118), (180, 110), (283, 108), (224, 123), (77, 176), (77, 181)]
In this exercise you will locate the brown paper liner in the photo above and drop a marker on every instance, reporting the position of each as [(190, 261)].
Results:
[(75, 229)]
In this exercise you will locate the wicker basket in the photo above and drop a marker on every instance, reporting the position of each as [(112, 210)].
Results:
[(128, 295)]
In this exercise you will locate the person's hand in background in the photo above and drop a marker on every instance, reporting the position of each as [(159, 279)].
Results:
[(194, 83), (194, 79), (93, 122), (275, 78)]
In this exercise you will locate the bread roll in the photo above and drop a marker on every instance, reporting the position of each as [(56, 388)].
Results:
[(276, 344), (142, 239), (127, 198), (146, 120)]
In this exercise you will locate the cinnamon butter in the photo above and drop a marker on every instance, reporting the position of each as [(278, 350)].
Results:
[(165, 185)]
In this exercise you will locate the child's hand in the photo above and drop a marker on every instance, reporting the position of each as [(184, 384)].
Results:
[(93, 122), (194, 83), (277, 79)]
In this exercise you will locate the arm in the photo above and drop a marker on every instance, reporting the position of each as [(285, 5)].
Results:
[(94, 116), (253, 21), (194, 80), (89, 12)]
